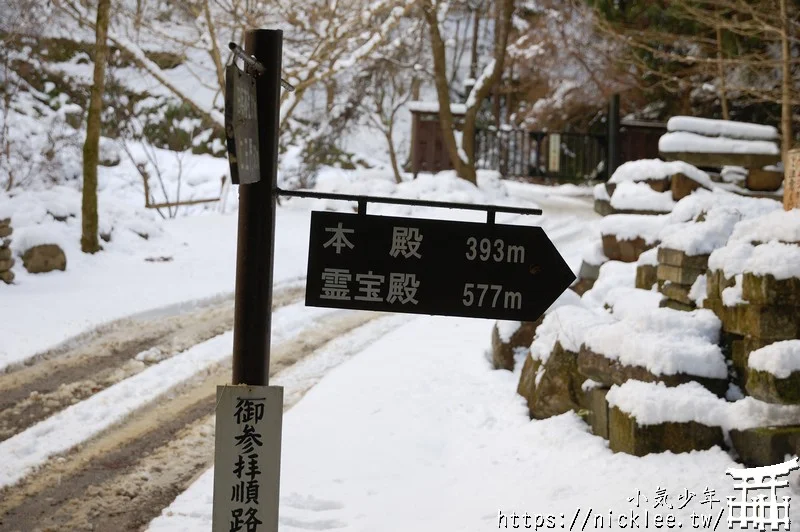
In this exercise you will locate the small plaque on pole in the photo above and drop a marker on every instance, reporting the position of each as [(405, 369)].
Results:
[(420, 266), (241, 126), (247, 458)]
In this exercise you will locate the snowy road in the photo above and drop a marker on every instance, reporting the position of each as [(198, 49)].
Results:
[(90, 428)]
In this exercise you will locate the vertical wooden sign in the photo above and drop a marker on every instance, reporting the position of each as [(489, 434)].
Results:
[(247, 458)]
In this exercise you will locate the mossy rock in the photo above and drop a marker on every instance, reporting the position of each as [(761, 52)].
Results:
[(765, 386), (763, 446), (527, 379), (503, 352), (626, 435), (604, 370), (767, 290), (559, 389), (646, 276)]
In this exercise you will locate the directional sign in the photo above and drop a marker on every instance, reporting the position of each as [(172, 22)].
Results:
[(241, 126), (421, 266)]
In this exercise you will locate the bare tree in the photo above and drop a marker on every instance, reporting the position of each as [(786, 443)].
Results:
[(463, 156), (91, 148)]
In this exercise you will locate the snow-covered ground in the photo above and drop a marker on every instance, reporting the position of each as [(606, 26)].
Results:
[(417, 432)]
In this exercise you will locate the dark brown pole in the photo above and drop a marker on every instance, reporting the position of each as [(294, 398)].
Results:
[(256, 244)]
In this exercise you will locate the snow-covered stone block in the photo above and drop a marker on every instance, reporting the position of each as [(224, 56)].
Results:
[(678, 274), (774, 373), (644, 347), (767, 290), (763, 180), (677, 257), (641, 198), (763, 446), (645, 276), (682, 186), (652, 418), (676, 292), (768, 322)]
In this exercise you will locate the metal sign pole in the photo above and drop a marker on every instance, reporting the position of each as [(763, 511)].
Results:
[(254, 257), (249, 414)]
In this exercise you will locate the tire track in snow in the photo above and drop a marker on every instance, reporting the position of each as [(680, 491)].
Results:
[(31, 394), (126, 475)]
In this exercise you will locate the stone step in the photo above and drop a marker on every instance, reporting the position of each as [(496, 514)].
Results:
[(682, 186)]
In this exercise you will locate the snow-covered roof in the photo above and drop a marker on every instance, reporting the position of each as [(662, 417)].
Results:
[(433, 107), (722, 128), (685, 142)]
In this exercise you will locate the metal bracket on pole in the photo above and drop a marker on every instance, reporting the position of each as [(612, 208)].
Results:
[(254, 64), (362, 201)]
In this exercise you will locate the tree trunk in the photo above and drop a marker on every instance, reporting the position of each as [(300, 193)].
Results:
[(91, 148), (473, 62), (216, 56), (723, 93), (464, 160), (443, 94), (787, 137), (393, 155)]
